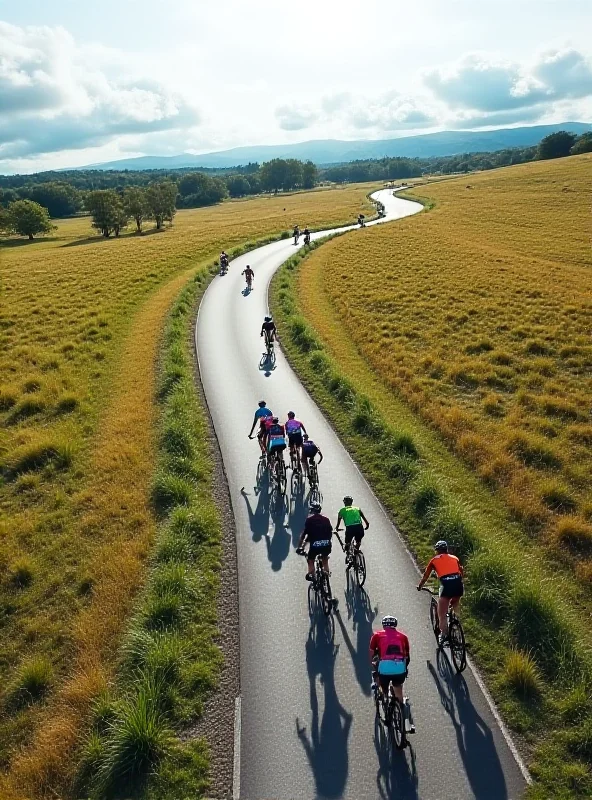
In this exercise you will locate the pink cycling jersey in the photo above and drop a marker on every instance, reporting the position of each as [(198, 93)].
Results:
[(293, 426)]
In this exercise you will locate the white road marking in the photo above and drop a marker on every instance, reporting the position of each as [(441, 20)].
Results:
[(237, 746)]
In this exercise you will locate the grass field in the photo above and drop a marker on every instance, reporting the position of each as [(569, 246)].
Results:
[(528, 631), (80, 326), (478, 314)]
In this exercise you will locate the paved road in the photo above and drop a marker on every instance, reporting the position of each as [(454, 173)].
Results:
[(308, 727)]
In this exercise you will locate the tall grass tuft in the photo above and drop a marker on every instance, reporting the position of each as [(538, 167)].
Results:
[(39, 454), (451, 521), (403, 467), (170, 490), (521, 674), (21, 572), (575, 534), (427, 495), (32, 682), (490, 581)]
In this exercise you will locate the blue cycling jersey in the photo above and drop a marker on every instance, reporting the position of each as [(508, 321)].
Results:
[(262, 412)]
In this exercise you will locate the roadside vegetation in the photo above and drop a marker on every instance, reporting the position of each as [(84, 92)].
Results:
[(80, 329), (399, 313)]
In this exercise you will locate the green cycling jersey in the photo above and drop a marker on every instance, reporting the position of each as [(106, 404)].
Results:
[(351, 515)]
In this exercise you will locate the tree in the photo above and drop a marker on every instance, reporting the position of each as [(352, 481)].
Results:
[(135, 204), (556, 145), (28, 218), (238, 186), (107, 211), (583, 145), (273, 174), (161, 197), (310, 175), (5, 221), (60, 199), (293, 176), (197, 189)]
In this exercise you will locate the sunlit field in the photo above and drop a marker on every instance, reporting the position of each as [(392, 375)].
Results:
[(80, 326), (478, 313)]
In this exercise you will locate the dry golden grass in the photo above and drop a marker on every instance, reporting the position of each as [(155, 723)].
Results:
[(79, 327), (478, 314)]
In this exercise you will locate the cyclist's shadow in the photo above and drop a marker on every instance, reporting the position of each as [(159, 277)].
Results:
[(267, 363), (397, 772), (278, 545), (297, 513), (326, 746), (475, 740), (360, 611), (259, 516)]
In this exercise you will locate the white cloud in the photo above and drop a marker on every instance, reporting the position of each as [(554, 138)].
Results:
[(294, 118), (54, 98)]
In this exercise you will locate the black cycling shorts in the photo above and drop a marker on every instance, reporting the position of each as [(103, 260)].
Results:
[(354, 532), (295, 439), (451, 586), (319, 550), (396, 680)]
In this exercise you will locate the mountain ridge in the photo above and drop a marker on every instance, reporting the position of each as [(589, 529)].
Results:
[(334, 151)]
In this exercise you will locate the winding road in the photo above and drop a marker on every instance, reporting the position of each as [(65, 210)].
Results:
[(305, 718)]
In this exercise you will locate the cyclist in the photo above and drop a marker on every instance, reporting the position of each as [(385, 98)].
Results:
[(223, 261), (296, 234), (306, 236), (268, 330), (352, 518), (450, 572), (389, 656), (361, 219), (249, 275), (276, 438), (309, 453), (318, 533), (295, 429), (261, 414)]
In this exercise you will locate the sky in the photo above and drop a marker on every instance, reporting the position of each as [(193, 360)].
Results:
[(83, 83)]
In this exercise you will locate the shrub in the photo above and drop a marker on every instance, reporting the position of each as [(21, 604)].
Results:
[(136, 740), (426, 494), (558, 497), (403, 467), (521, 674), (450, 521), (533, 452), (169, 491), (21, 572), (490, 581), (575, 534), (39, 454)]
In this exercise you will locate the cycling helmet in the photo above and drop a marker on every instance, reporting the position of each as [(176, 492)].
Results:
[(389, 621), (291, 414), (262, 403), (305, 437), (347, 500), (441, 546), (275, 420), (315, 508), (267, 319)]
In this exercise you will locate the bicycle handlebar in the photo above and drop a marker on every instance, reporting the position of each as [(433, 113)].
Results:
[(429, 591)]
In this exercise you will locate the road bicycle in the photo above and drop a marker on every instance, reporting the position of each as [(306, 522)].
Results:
[(296, 467), (313, 481), (269, 350), (456, 634), (355, 561), (277, 468), (391, 712), (249, 282), (320, 585), (296, 238), (307, 238), (223, 267)]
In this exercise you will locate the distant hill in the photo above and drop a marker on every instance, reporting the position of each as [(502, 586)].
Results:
[(334, 151)]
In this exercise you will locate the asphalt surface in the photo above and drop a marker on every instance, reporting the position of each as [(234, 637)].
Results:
[(308, 727)]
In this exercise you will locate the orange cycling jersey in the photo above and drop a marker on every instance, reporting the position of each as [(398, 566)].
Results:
[(444, 564)]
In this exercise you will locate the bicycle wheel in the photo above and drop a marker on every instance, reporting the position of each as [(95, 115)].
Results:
[(398, 724), (434, 618), (283, 477), (360, 568), (380, 705), (458, 650), (326, 598)]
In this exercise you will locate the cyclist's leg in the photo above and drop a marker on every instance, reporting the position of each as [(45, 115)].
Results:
[(326, 564), (455, 604), (310, 562), (443, 603)]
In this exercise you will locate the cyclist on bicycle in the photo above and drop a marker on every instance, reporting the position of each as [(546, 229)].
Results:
[(352, 518), (276, 438), (389, 656), (306, 236), (296, 234), (223, 261), (318, 533), (294, 429), (450, 573), (261, 414), (249, 275), (268, 330), (309, 452)]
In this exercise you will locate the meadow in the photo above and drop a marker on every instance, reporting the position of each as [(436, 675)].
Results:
[(478, 314), (81, 325), (361, 315)]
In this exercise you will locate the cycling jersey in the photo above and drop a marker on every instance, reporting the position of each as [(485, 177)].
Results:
[(269, 327), (350, 516), (293, 425), (444, 565), (263, 412), (318, 530), (309, 449), (390, 644)]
